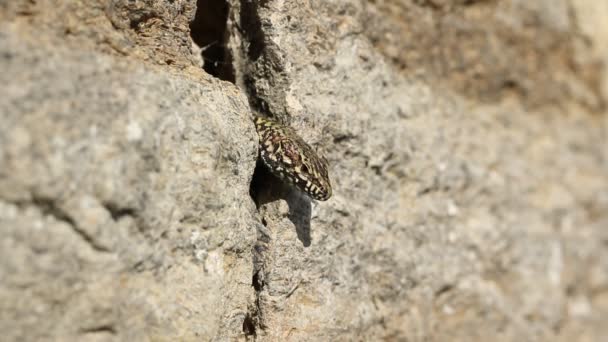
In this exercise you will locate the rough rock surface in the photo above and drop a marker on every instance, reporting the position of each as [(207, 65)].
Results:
[(468, 144)]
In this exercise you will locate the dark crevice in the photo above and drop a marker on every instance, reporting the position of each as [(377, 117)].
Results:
[(444, 289), (266, 187), (117, 212), (209, 31), (259, 179), (252, 321), (255, 101), (90, 240), (251, 28), (249, 326), (100, 329), (263, 187), (254, 186), (48, 206), (343, 138), (257, 283), (255, 53)]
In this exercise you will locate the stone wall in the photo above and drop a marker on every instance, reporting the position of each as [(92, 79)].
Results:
[(468, 145)]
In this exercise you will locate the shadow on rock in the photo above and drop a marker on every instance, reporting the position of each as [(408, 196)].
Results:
[(266, 188)]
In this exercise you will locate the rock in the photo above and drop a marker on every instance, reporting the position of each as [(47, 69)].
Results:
[(122, 190), (467, 149)]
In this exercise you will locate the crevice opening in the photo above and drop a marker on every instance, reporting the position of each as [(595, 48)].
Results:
[(209, 30)]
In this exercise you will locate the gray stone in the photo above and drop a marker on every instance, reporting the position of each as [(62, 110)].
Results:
[(468, 152), (125, 210)]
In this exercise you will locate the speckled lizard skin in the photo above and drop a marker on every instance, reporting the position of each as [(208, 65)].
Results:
[(290, 158)]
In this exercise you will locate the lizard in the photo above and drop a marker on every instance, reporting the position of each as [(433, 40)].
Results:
[(290, 158)]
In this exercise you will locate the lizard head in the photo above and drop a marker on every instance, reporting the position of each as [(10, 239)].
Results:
[(289, 157), (316, 177), (307, 170)]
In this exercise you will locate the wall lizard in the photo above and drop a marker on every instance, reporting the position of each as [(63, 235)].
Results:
[(290, 158)]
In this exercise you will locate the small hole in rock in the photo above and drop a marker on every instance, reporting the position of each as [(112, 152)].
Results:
[(256, 282), (248, 326), (209, 31)]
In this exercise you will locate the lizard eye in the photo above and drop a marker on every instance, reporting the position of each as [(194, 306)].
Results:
[(305, 168)]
